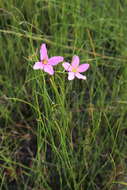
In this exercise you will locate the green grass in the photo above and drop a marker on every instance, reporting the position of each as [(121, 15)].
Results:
[(57, 134)]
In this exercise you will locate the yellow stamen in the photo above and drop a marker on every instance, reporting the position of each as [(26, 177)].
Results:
[(44, 61), (74, 70)]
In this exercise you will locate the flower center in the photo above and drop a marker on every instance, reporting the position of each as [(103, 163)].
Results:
[(44, 61), (74, 70)]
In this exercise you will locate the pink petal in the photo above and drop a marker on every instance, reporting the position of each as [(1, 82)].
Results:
[(79, 76), (55, 60), (38, 65), (75, 61), (71, 76), (83, 67), (67, 66), (49, 69), (43, 52)]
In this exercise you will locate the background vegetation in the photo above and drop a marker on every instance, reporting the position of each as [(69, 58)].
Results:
[(57, 134)]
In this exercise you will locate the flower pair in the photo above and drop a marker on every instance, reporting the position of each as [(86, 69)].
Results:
[(46, 64)]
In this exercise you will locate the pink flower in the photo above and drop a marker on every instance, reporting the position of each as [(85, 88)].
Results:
[(74, 69), (46, 63)]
